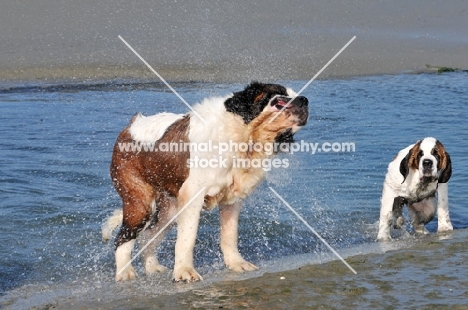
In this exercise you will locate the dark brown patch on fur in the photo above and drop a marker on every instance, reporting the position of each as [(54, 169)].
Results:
[(442, 160), (259, 97), (444, 163), (167, 171), (415, 156), (143, 177), (411, 160)]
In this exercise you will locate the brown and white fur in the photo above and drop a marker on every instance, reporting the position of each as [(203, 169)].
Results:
[(414, 177), (154, 186)]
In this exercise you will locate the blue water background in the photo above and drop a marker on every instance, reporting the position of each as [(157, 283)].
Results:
[(56, 143)]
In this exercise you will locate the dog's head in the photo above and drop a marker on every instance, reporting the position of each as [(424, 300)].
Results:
[(429, 158), (258, 105)]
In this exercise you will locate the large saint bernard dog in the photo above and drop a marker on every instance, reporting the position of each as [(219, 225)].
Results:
[(154, 186), (414, 177)]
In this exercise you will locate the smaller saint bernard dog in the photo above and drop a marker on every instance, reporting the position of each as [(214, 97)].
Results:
[(154, 186), (414, 177)]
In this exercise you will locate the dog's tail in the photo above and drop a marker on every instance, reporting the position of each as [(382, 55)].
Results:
[(111, 224)]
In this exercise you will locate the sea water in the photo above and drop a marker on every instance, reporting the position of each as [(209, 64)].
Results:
[(56, 143)]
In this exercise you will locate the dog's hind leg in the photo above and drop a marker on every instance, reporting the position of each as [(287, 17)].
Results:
[(138, 205), (124, 270), (154, 234)]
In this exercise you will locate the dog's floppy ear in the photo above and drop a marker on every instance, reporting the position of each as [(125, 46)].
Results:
[(241, 102), (445, 163), (446, 173), (236, 104), (404, 166), (411, 160)]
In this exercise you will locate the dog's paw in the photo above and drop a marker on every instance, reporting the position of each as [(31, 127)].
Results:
[(399, 222), (420, 229), (126, 274), (240, 266), (155, 268), (384, 237), (152, 266), (444, 228), (186, 274)]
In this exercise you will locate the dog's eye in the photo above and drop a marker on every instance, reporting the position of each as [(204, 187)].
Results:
[(259, 97)]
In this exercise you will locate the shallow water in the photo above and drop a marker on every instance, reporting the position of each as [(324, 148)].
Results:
[(56, 144)]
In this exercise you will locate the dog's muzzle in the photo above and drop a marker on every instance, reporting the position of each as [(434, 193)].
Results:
[(428, 167), (299, 107)]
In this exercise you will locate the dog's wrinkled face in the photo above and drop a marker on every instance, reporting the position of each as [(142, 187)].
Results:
[(429, 158), (258, 98)]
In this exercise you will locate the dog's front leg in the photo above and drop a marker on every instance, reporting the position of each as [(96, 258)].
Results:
[(187, 228), (443, 218), (229, 218), (386, 214)]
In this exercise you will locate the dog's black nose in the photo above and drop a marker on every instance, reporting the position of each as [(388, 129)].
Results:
[(301, 101), (427, 163)]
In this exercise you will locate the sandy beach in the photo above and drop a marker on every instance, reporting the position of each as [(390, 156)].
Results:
[(77, 42), (429, 272)]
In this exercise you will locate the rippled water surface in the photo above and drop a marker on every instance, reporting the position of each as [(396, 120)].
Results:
[(55, 189)]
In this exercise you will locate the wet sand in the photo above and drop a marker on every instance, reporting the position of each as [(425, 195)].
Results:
[(77, 42), (432, 273)]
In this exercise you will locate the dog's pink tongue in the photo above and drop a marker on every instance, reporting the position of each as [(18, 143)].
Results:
[(281, 103)]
